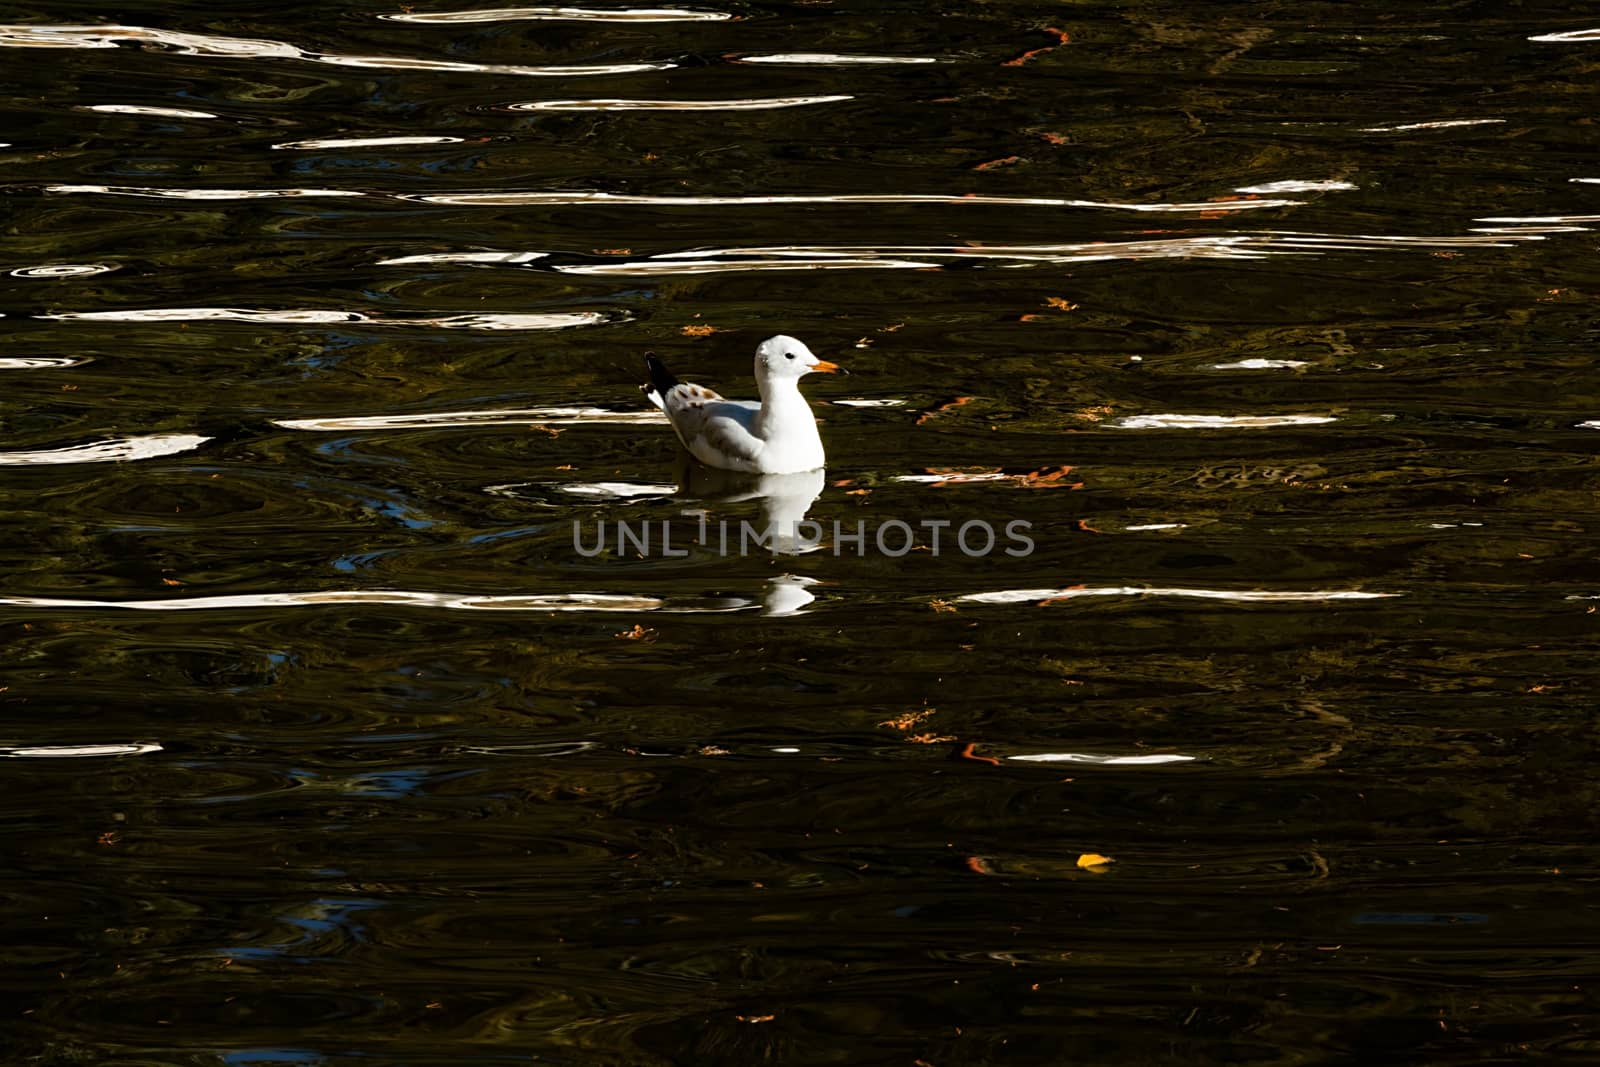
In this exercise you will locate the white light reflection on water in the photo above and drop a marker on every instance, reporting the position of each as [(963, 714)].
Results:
[(112, 450), (63, 270), (564, 14), (1569, 37), (1297, 187), (512, 258), (770, 103), (1109, 761), (293, 317), (610, 491), (574, 197), (1241, 596), (77, 751), (365, 142), (143, 109), (829, 59), (40, 362), (29, 35), (576, 602), (1441, 124), (501, 417), (1216, 422), (197, 194)]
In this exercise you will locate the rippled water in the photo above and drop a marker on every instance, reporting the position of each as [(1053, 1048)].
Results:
[(325, 744)]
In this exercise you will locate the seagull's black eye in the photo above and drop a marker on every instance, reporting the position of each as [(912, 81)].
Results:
[(788, 355)]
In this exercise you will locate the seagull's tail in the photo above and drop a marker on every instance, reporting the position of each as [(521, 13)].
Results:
[(661, 381)]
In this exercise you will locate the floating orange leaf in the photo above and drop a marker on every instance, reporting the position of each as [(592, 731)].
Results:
[(613, 251), (960, 401), (1003, 161), (1061, 37), (1060, 303), (967, 753), (908, 720), (1046, 476), (1090, 860), (698, 331), (638, 633)]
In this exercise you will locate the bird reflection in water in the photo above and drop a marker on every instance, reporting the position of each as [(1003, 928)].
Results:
[(785, 500)]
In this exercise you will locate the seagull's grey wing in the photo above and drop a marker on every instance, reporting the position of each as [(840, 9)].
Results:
[(685, 405), (727, 437), (714, 430)]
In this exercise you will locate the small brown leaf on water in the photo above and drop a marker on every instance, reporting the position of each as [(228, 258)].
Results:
[(698, 331), (613, 251), (109, 838), (930, 739), (1060, 303), (948, 405), (553, 431), (995, 164), (755, 1018), (1046, 476), (170, 581), (1054, 600), (941, 605), (1061, 37), (979, 865), (1094, 414), (908, 720), (713, 750), (638, 633), (1033, 318), (968, 753), (1090, 860)]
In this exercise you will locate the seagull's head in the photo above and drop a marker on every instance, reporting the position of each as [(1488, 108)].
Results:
[(783, 357)]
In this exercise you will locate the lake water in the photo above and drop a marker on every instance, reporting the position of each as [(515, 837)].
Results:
[(1274, 324)]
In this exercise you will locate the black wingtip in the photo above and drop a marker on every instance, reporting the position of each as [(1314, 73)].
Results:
[(661, 379)]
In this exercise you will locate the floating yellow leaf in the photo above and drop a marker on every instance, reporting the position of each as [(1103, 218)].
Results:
[(1090, 860)]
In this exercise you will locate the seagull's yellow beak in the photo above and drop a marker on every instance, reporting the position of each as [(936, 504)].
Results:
[(825, 367)]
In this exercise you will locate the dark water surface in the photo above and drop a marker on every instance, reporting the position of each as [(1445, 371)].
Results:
[(323, 745)]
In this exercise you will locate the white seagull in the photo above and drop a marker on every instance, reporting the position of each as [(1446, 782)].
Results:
[(776, 435)]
